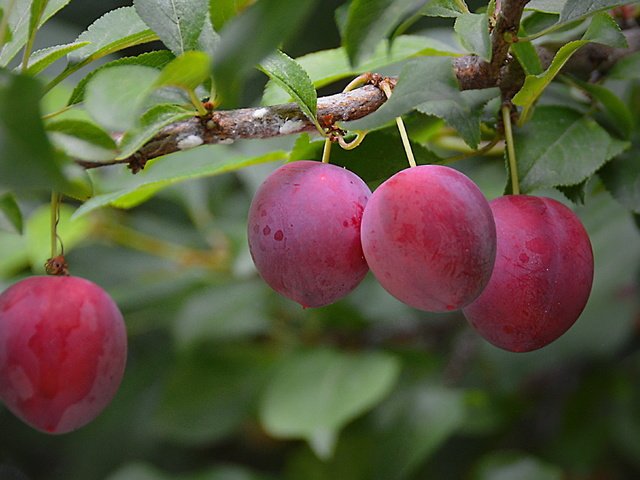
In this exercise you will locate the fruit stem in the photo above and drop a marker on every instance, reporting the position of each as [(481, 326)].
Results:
[(353, 143), (401, 128), (326, 151), (511, 151), (55, 219)]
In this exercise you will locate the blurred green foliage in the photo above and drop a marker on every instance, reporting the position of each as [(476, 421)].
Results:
[(226, 380)]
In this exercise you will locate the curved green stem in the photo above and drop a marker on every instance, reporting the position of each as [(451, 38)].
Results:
[(353, 143), (511, 151), (55, 219)]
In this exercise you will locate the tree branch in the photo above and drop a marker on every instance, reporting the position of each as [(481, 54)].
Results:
[(224, 127)]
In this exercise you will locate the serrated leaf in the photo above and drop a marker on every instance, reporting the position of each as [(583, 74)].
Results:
[(36, 12), (248, 38), (41, 59), (114, 31), (528, 57), (27, 159), (604, 29), (473, 31), (600, 30), (205, 161), (621, 177), (186, 71), (82, 139), (327, 66), (114, 97), (616, 111), (154, 120), (443, 98), (444, 8), (18, 23), (578, 9), (315, 393), (10, 214), (292, 78), (368, 22), (224, 10), (178, 23), (549, 144), (158, 59)]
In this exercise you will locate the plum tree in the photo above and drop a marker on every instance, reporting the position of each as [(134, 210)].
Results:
[(429, 238), (304, 231), (63, 349), (542, 276)]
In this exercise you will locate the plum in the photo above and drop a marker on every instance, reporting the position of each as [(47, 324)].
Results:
[(304, 231), (542, 276), (429, 238), (63, 349)]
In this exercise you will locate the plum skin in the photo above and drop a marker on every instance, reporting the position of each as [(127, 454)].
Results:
[(542, 277), (63, 349), (429, 238), (304, 231)]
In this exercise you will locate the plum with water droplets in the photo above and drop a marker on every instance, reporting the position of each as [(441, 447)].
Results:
[(304, 231)]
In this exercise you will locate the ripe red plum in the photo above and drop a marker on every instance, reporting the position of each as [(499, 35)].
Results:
[(429, 238), (304, 231), (542, 276), (63, 349)]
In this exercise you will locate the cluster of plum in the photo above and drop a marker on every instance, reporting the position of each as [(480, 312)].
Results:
[(63, 349), (520, 267)]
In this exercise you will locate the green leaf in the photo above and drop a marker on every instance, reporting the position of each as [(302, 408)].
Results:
[(604, 29), (224, 10), (114, 31), (546, 6), (443, 98), (411, 425), (510, 465), (528, 57), (315, 393), (621, 177), (248, 38), (221, 313), (368, 22), (82, 139), (601, 30), (209, 38), (292, 78), (205, 161), (26, 157), (547, 148), (19, 25), (114, 97), (41, 59), (186, 71), (36, 12), (327, 66), (154, 120), (444, 8), (10, 214), (627, 68), (578, 9), (178, 23), (209, 394), (157, 59), (473, 30), (616, 111)]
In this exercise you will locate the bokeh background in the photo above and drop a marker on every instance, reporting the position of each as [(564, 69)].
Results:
[(208, 340)]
